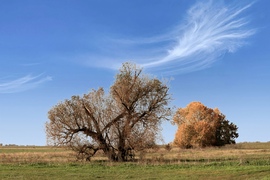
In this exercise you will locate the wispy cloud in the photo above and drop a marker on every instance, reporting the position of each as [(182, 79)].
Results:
[(210, 29), (21, 84)]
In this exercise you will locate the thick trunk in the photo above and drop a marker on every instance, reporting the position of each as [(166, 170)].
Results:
[(122, 155), (119, 156), (108, 151), (112, 156)]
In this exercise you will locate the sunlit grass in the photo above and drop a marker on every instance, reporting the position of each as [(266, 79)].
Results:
[(132, 171), (241, 161)]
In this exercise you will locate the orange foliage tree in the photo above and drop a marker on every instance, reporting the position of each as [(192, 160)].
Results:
[(200, 126)]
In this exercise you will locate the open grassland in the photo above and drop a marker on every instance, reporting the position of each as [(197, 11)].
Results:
[(240, 161)]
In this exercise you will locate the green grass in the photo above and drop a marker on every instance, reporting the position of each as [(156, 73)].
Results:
[(241, 161), (132, 171)]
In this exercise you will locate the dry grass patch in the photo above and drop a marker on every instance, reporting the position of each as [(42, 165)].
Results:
[(35, 155), (239, 153), (209, 163)]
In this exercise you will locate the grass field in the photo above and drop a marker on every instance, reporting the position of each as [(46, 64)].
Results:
[(241, 161)]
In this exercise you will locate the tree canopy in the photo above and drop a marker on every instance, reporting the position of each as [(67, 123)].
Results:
[(127, 118), (200, 126)]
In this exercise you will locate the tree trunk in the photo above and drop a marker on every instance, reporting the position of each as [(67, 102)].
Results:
[(122, 155), (110, 153)]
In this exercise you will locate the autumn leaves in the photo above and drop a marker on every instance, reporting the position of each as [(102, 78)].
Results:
[(128, 118), (200, 126)]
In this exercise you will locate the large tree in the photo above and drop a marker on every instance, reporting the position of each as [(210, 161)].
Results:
[(128, 118), (200, 126)]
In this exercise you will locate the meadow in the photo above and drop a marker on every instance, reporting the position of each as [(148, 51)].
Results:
[(240, 161)]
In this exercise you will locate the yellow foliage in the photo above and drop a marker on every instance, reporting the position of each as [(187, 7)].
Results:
[(200, 126)]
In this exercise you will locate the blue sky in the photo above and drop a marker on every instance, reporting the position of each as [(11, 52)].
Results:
[(216, 52)]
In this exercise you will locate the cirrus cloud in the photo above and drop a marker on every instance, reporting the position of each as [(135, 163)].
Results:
[(22, 84), (210, 29)]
